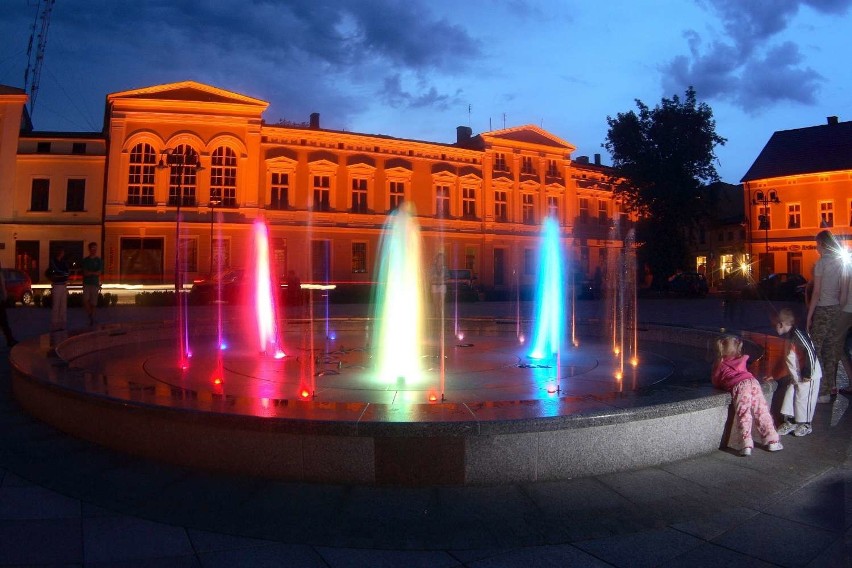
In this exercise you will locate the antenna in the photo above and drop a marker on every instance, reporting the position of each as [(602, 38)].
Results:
[(504, 121), (468, 115), (32, 75)]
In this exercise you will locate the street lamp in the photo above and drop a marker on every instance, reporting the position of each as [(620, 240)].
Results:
[(213, 203), (181, 161), (765, 199)]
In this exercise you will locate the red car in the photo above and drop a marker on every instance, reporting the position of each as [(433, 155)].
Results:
[(18, 287)]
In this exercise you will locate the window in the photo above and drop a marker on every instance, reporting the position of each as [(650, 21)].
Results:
[(469, 202), (182, 179), (322, 193), (826, 213), (553, 207), (527, 165), (501, 207), (584, 209), (603, 212), (794, 216), (397, 194), (40, 197), (223, 177), (75, 196), (140, 179), (442, 201), (553, 168), (528, 208), (78, 148), (764, 219), (500, 162), (189, 254), (359, 258), (43, 147), (279, 191), (529, 261), (730, 235), (359, 198)]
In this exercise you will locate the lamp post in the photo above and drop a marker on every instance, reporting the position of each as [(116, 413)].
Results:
[(765, 199), (180, 161), (213, 203)]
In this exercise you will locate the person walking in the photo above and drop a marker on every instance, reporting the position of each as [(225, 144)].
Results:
[(58, 273), (93, 267), (824, 311), (4, 320)]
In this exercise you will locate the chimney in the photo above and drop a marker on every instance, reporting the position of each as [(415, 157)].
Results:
[(582, 160), (314, 120), (463, 134), (597, 159), (831, 119)]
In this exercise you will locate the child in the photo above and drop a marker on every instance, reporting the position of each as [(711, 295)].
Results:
[(730, 373), (805, 372)]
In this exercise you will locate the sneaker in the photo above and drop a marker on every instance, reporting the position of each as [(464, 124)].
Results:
[(745, 452), (824, 399), (775, 447), (786, 428), (803, 430)]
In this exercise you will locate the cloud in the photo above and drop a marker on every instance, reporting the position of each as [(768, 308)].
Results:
[(393, 94), (743, 64)]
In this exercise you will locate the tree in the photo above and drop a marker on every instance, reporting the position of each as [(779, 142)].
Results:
[(663, 160)]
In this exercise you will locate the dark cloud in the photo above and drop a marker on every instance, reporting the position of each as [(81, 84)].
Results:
[(393, 94), (301, 55), (743, 65)]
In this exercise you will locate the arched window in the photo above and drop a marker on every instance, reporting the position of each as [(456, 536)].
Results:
[(223, 177), (182, 178), (140, 178)]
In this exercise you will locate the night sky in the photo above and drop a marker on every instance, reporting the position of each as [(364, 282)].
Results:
[(418, 69)]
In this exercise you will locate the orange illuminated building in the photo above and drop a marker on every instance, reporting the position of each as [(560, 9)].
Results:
[(800, 183), (324, 193)]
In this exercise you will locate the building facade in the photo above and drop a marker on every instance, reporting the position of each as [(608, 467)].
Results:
[(800, 183), (325, 194)]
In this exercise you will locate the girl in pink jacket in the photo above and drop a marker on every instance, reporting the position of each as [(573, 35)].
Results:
[(730, 373)]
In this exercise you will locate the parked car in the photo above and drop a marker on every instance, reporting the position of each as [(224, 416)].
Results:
[(688, 285), (782, 286), (235, 288), (18, 287)]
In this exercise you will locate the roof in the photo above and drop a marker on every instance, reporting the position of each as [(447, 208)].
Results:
[(815, 149), (7, 90), (190, 91)]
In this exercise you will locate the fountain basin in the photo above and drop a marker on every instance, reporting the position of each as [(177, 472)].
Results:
[(134, 403)]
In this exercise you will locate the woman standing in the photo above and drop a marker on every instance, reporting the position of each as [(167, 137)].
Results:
[(824, 311)]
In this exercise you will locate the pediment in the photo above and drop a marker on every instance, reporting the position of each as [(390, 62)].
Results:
[(188, 91), (529, 134)]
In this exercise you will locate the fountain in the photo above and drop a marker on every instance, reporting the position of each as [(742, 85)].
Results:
[(377, 408)]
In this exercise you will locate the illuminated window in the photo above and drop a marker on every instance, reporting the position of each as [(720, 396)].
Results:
[(359, 195), (396, 194), (527, 165), (603, 212), (75, 196), (140, 179), (500, 162), (470, 258), (528, 208), (501, 206), (182, 179), (223, 177), (553, 207), (359, 258), (826, 213), (584, 209), (40, 196), (469, 202), (442, 201), (322, 193), (794, 216), (279, 191)]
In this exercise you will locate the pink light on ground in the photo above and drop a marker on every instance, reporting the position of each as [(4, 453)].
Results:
[(264, 298)]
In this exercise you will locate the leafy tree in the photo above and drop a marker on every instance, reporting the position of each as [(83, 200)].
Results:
[(664, 159)]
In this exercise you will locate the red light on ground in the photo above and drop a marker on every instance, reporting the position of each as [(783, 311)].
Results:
[(432, 398), (551, 388), (305, 394), (217, 381)]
